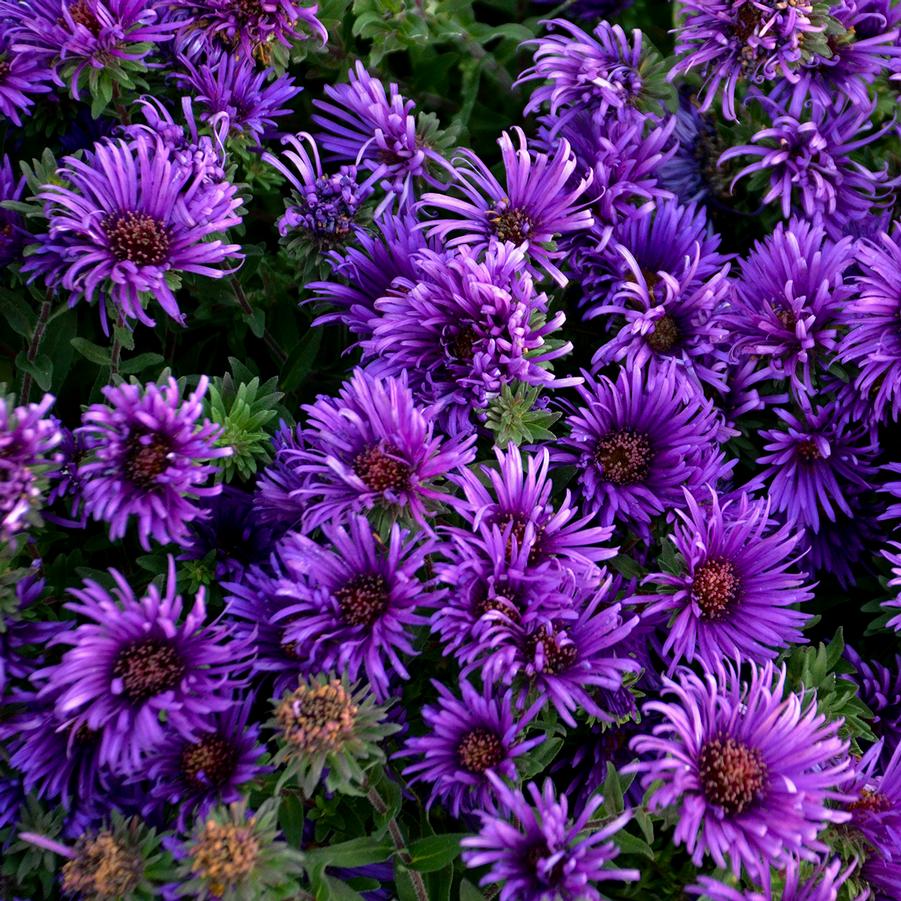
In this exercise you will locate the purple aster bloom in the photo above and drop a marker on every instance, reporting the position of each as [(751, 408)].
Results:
[(65, 483), (466, 328), (786, 302), (736, 41), (875, 800), (873, 341), (12, 234), (250, 98), (594, 10), (139, 667), (323, 208), (368, 269), (638, 441), (879, 687), (28, 437), (148, 459), (124, 219), (736, 584), (808, 165), (277, 501), (748, 768), (606, 70), (518, 494), (353, 603), (376, 129), (372, 447), (80, 38), (21, 74), (469, 738), (539, 200), (194, 774), (815, 463), (537, 851), (11, 798), (883, 876)]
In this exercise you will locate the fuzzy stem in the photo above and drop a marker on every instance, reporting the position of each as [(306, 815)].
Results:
[(274, 347), (40, 328), (397, 838), (115, 356)]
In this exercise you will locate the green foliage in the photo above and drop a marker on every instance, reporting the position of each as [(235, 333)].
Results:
[(514, 417)]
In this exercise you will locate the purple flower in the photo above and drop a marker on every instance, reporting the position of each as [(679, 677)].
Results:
[(28, 437), (879, 687), (277, 501), (809, 166), (814, 464), (372, 447), (125, 220), (747, 767), (468, 326), (469, 739), (232, 86), (147, 459), (349, 607), (323, 208), (787, 300), (875, 805), (12, 234), (366, 125), (638, 441), (21, 74), (210, 768), (139, 668), (538, 201), (873, 340), (734, 586), (537, 851)]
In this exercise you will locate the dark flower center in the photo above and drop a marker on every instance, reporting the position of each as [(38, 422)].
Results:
[(786, 317), (148, 668), (510, 224), (557, 658), (715, 588), (665, 335), (732, 774), (625, 456), (501, 605), (480, 750), (363, 599), (808, 451), (210, 762), (101, 867), (137, 238), (381, 472), (747, 20), (535, 855), (461, 346), (5, 68), (291, 649), (83, 15), (871, 802), (145, 460), (317, 719)]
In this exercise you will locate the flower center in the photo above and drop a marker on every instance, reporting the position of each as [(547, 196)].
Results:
[(871, 802), (146, 457), (480, 750), (509, 224), (210, 762), (787, 318), (380, 470), (557, 658), (225, 854), (808, 451), (148, 668), (83, 15), (363, 599), (625, 456), (317, 719), (747, 20), (102, 868), (665, 335), (501, 605), (5, 68), (461, 346), (732, 774), (137, 238), (715, 588)]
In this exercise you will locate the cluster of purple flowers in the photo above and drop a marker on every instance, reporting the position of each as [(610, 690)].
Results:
[(553, 585)]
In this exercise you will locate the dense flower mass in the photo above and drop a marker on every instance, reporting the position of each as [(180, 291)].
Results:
[(507, 502)]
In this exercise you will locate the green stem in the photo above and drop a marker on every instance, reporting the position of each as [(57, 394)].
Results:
[(115, 356), (40, 329), (274, 347), (397, 838)]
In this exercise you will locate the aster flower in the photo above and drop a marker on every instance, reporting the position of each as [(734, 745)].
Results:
[(251, 99), (353, 603), (735, 586), (807, 163), (148, 459), (136, 660), (537, 850), (84, 40), (12, 234), (748, 767), (328, 726), (277, 502), (470, 737), (364, 124), (323, 209), (194, 774), (814, 464), (873, 343), (790, 293), (467, 327), (638, 441), (539, 201), (21, 74), (124, 220), (879, 687), (605, 70), (876, 806), (372, 447)]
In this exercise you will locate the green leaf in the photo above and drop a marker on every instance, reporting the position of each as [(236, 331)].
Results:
[(93, 352), (300, 361), (41, 369), (631, 844), (434, 852), (358, 852), (18, 313), (140, 363), (331, 889), (290, 818), (468, 892)]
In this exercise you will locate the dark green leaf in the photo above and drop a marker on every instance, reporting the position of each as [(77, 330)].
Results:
[(93, 352), (434, 852), (358, 852)]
